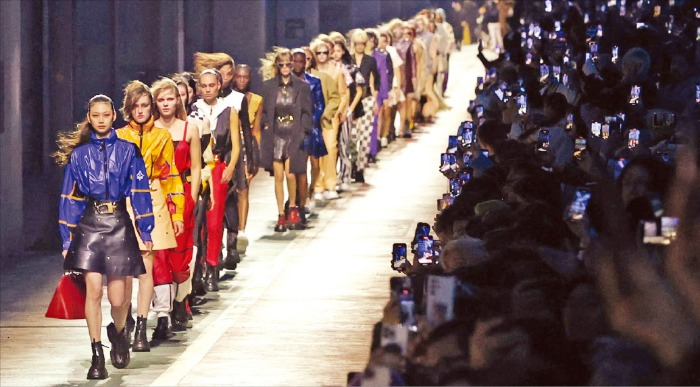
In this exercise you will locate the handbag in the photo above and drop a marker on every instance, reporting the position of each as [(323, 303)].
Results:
[(68, 302)]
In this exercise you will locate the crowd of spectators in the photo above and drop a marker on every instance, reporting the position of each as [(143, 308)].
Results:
[(567, 249)]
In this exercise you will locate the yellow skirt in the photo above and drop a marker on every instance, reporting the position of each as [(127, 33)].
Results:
[(163, 234)]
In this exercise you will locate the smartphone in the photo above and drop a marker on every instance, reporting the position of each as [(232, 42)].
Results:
[(670, 119), (465, 176), (452, 144), (599, 31), (565, 79), (544, 72), (522, 104), (543, 140), (400, 287), (664, 156), (480, 83), (455, 187), (586, 18), (596, 128), (422, 230), (605, 131), (697, 93), (557, 25), (399, 255), (593, 48), (484, 152), (446, 201), (569, 121), (556, 71), (615, 53), (479, 111), (633, 138), (528, 58), (424, 250), (578, 205), (467, 134), (661, 231), (635, 93), (493, 73), (657, 120), (447, 160), (618, 166), (580, 144), (548, 6)]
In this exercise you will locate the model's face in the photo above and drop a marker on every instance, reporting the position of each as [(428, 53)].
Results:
[(420, 25), (209, 87), (241, 79), (101, 116), (370, 44), (284, 65), (141, 111), (397, 32), (182, 90), (226, 75), (166, 102), (360, 47), (383, 42), (190, 93), (308, 58), (337, 52), (322, 54), (299, 64)]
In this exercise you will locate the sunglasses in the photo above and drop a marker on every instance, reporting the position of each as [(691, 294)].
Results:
[(321, 52), (281, 65)]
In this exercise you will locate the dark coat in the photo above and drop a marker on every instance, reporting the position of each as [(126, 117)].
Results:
[(303, 123)]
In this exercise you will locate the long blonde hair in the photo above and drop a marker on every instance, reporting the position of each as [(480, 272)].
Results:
[(211, 60), (165, 84), (268, 68), (67, 141)]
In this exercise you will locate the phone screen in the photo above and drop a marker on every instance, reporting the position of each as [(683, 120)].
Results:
[(635, 93), (556, 70), (697, 93), (455, 187), (633, 139), (544, 72), (467, 134), (399, 255), (580, 143), (422, 230), (615, 54), (452, 144), (661, 231), (465, 176), (605, 131), (596, 129), (424, 250), (446, 161), (543, 140), (579, 204), (479, 111), (522, 104), (617, 166)]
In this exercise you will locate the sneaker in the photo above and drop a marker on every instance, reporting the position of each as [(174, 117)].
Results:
[(281, 225), (319, 196), (242, 242), (384, 142), (330, 195), (293, 218)]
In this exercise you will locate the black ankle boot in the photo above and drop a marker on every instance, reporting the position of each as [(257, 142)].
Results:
[(130, 323), (140, 339), (360, 176), (198, 280), (179, 318), (119, 353), (97, 368), (162, 331), (212, 280), (232, 256)]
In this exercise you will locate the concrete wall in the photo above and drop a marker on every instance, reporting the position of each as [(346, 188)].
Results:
[(55, 55)]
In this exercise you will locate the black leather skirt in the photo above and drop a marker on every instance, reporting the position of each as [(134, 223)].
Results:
[(105, 243)]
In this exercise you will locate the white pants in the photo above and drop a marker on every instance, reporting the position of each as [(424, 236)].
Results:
[(163, 296), (495, 38)]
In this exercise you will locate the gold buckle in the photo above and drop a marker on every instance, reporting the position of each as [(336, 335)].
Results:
[(105, 208)]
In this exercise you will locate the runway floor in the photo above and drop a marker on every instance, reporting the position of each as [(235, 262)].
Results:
[(299, 309)]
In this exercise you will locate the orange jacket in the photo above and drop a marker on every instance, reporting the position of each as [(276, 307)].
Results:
[(158, 153)]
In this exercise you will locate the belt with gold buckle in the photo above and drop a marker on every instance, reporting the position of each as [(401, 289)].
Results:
[(103, 208), (285, 119)]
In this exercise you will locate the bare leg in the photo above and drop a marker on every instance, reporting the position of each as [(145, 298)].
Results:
[(291, 184), (243, 206), (116, 291), (315, 172), (145, 294), (93, 310), (278, 172)]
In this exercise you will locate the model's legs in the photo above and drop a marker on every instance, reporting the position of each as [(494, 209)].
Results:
[(243, 206), (278, 172), (93, 298)]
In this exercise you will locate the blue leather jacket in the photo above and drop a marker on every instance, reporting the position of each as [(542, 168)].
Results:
[(84, 178), (317, 95)]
